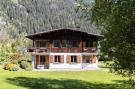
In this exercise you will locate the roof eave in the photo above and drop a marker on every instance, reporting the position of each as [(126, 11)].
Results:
[(40, 33)]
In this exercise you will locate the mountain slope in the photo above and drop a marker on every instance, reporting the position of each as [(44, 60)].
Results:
[(33, 16)]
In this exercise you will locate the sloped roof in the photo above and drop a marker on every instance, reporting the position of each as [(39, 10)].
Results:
[(91, 31)]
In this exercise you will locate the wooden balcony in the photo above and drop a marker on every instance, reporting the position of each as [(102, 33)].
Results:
[(64, 50)]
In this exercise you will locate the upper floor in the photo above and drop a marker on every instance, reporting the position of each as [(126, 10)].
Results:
[(64, 40)]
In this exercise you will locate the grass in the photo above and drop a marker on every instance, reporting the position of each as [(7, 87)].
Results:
[(95, 79)]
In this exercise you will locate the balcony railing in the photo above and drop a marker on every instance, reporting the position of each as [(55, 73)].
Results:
[(66, 50)]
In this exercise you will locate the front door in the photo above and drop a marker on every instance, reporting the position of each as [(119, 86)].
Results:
[(42, 62)]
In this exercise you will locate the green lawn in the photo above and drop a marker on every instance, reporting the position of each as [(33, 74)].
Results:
[(96, 79)]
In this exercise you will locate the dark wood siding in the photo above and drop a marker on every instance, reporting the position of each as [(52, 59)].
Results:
[(82, 39)]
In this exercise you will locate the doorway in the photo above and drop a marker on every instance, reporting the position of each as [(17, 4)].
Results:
[(42, 62)]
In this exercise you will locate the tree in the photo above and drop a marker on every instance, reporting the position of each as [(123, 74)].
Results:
[(33, 16), (116, 20)]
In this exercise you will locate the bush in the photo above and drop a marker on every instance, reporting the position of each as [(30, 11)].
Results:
[(7, 66), (24, 65), (14, 68), (11, 67), (14, 61)]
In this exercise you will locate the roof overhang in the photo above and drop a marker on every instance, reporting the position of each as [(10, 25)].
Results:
[(30, 36)]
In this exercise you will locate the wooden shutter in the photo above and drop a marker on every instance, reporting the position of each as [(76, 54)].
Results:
[(68, 59), (51, 59), (94, 59), (78, 59), (37, 59), (62, 59), (46, 60)]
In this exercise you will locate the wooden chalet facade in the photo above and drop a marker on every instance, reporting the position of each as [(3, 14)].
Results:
[(64, 49)]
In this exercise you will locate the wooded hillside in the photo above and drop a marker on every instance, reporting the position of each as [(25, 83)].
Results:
[(32, 16)]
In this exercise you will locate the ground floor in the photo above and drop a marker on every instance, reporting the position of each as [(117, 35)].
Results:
[(64, 61)]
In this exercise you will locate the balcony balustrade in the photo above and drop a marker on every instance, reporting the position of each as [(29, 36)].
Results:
[(64, 50)]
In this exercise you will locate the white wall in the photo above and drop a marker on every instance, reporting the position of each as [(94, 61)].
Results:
[(70, 66), (65, 66)]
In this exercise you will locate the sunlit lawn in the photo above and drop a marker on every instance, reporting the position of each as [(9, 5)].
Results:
[(95, 79)]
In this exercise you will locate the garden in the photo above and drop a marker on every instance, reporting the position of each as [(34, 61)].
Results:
[(14, 55)]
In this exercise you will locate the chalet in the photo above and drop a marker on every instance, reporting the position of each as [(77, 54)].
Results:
[(64, 49)]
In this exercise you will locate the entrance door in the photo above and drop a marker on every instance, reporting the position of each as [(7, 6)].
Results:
[(42, 62)]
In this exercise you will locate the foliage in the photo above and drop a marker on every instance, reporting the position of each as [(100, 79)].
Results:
[(30, 16), (7, 49), (14, 61), (11, 67), (25, 65), (14, 68), (116, 19)]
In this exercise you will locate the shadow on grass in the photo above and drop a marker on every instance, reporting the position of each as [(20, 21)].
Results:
[(44, 83)]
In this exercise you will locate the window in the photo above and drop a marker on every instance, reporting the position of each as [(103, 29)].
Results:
[(64, 43), (91, 44), (94, 44), (57, 59), (88, 61), (41, 43), (56, 43), (73, 43), (73, 59)]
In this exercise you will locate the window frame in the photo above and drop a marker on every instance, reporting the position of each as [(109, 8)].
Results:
[(72, 44), (91, 44), (67, 43), (38, 43), (74, 59), (57, 59), (58, 42)]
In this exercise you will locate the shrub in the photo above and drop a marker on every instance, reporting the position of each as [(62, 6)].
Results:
[(11, 67), (14, 68), (14, 61), (24, 65), (7, 66)]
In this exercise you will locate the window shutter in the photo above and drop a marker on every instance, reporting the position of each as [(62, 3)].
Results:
[(94, 59), (78, 59), (37, 59), (51, 59), (62, 59), (68, 58)]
